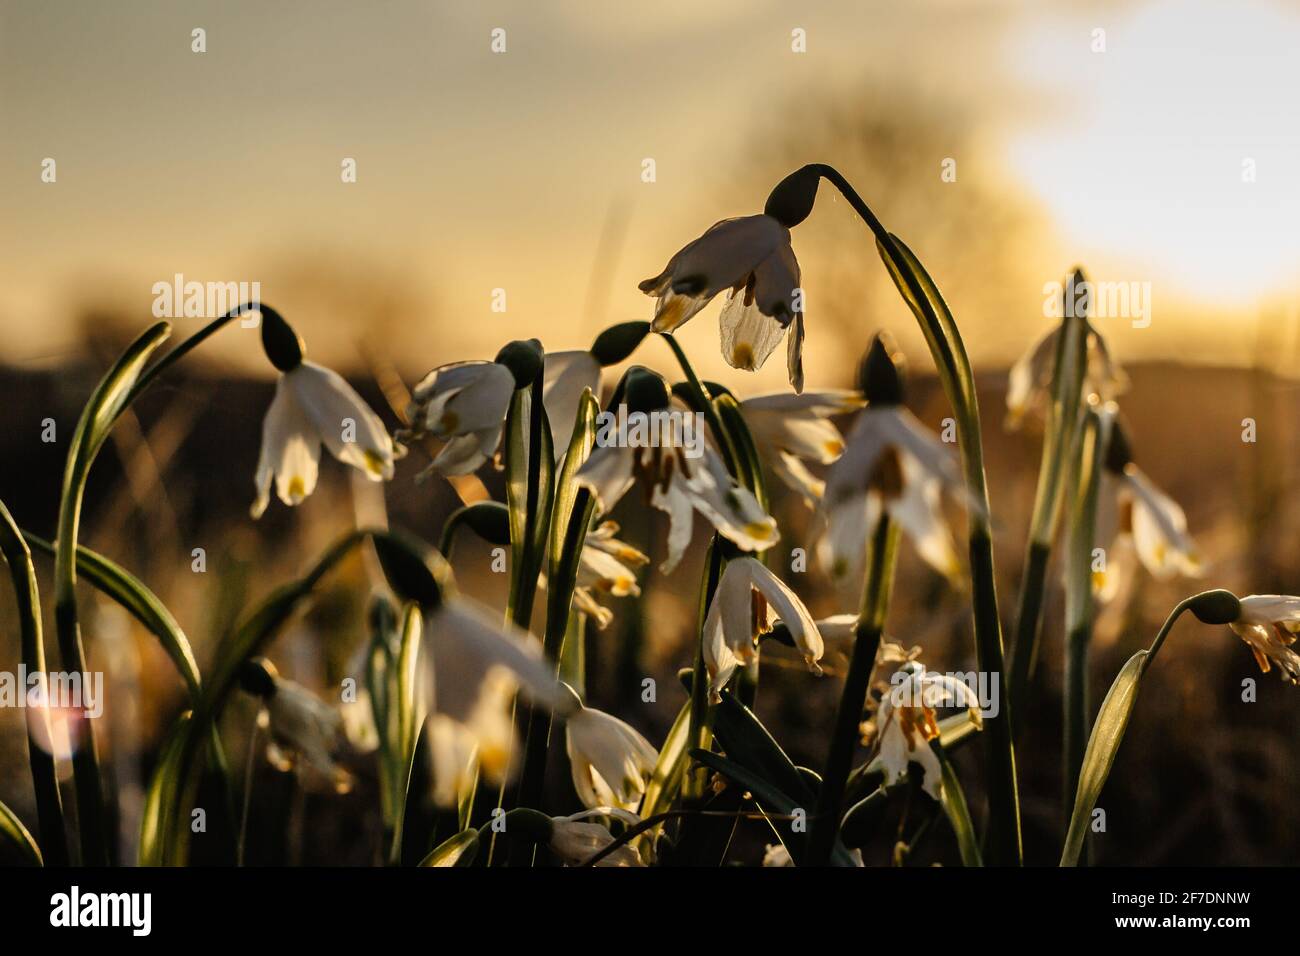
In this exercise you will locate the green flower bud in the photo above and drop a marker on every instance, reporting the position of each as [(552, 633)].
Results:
[(282, 345), (1215, 607), (524, 358), (490, 520), (414, 570), (792, 199), (880, 373), (617, 342), (257, 676), (641, 390)]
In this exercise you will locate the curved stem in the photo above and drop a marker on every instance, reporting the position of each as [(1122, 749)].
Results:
[(953, 364), (149, 375), (844, 740), (705, 402), (698, 733)]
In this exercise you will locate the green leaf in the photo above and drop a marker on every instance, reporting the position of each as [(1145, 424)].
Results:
[(1103, 744), (459, 850), (14, 835), (666, 779), (748, 742), (530, 474), (162, 795), (953, 799), (409, 717), (126, 590)]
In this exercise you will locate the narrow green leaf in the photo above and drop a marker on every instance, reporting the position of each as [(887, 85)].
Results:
[(409, 717), (530, 476), (1103, 744), (459, 850), (666, 779), (131, 594), (748, 742), (953, 799), (14, 835)]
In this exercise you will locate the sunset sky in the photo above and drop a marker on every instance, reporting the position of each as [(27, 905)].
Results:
[(522, 170)]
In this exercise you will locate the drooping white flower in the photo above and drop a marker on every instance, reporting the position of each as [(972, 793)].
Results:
[(906, 722), (679, 485), (749, 598), (567, 375), (794, 429), (299, 724), (315, 405), (603, 568), (464, 404), (751, 256), (1133, 513), (1268, 624), (575, 842), (1030, 379), (892, 462), (477, 666), (610, 760)]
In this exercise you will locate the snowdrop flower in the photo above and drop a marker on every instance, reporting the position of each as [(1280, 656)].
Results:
[(793, 429), (907, 723), (299, 724), (464, 404), (610, 761), (1030, 380), (890, 462), (1268, 624), (753, 258), (676, 483), (565, 377), (575, 842), (748, 599), (1133, 513), (603, 568), (312, 405)]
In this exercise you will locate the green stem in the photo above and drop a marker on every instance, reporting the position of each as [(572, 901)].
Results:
[(1068, 375), (1079, 602), (953, 364), (705, 402), (870, 625), (45, 781), (698, 734)]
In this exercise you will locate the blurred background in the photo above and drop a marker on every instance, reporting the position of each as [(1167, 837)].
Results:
[(563, 170)]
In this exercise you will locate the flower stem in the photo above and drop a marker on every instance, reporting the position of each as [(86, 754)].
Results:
[(1079, 600), (705, 402), (1058, 440), (698, 734), (953, 364), (844, 739), (45, 783)]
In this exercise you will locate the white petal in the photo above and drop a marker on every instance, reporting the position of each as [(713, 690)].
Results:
[(1031, 373), (748, 336), (1159, 529), (608, 473), (290, 451), (567, 375), (337, 410), (789, 609), (1268, 608)]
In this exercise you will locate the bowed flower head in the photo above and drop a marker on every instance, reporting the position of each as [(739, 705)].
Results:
[(1134, 513), (610, 761), (749, 599), (312, 405), (753, 258), (890, 463), (300, 725), (575, 841), (794, 429), (676, 482), (906, 722), (1268, 623)]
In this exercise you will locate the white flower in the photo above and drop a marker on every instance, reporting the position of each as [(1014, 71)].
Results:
[(312, 405), (907, 723), (890, 461), (603, 569), (1268, 624), (679, 485), (477, 665), (567, 375), (300, 725), (748, 599), (1030, 378), (794, 429), (610, 761), (575, 842), (775, 854), (1133, 512), (752, 257), (464, 404)]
